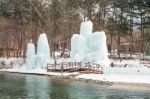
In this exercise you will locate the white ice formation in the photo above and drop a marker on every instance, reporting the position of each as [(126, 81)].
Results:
[(30, 56), (42, 58), (88, 46), (43, 51)]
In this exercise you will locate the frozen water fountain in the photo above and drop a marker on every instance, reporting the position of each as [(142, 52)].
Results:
[(97, 46), (78, 47), (43, 51), (88, 46), (30, 56), (42, 58)]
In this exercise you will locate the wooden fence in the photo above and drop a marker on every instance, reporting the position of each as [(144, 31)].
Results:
[(75, 67)]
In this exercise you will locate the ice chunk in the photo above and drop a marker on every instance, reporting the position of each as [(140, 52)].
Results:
[(86, 29), (98, 47), (43, 46), (78, 47), (88, 47), (43, 51), (30, 54), (88, 57), (77, 42), (42, 58)]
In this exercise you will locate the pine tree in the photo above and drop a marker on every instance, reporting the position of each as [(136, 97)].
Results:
[(148, 51)]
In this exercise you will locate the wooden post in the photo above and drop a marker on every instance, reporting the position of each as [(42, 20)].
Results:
[(47, 67), (69, 64), (72, 64), (80, 65), (62, 69), (75, 64), (55, 63)]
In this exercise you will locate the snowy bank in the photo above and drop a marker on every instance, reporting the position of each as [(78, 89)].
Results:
[(7, 63), (117, 78), (130, 74)]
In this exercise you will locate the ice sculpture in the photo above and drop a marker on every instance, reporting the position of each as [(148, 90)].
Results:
[(30, 56), (43, 51), (86, 29), (98, 47), (88, 46), (42, 58), (78, 47)]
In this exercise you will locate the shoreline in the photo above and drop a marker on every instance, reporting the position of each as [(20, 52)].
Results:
[(126, 85), (75, 76), (113, 85)]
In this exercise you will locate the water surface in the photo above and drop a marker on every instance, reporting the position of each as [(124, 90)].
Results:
[(21, 86)]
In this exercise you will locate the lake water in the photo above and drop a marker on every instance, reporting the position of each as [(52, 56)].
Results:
[(20, 86)]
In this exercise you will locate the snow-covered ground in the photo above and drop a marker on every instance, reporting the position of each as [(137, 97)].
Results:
[(134, 72), (40, 72), (117, 78), (99, 77), (11, 63), (127, 67)]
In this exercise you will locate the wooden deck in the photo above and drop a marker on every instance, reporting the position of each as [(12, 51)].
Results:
[(75, 67)]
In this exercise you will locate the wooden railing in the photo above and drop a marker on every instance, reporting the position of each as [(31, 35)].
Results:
[(74, 66)]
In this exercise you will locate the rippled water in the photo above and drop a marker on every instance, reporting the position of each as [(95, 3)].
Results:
[(20, 86)]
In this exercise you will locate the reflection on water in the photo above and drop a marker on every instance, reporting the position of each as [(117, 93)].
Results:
[(37, 87), (19, 86)]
